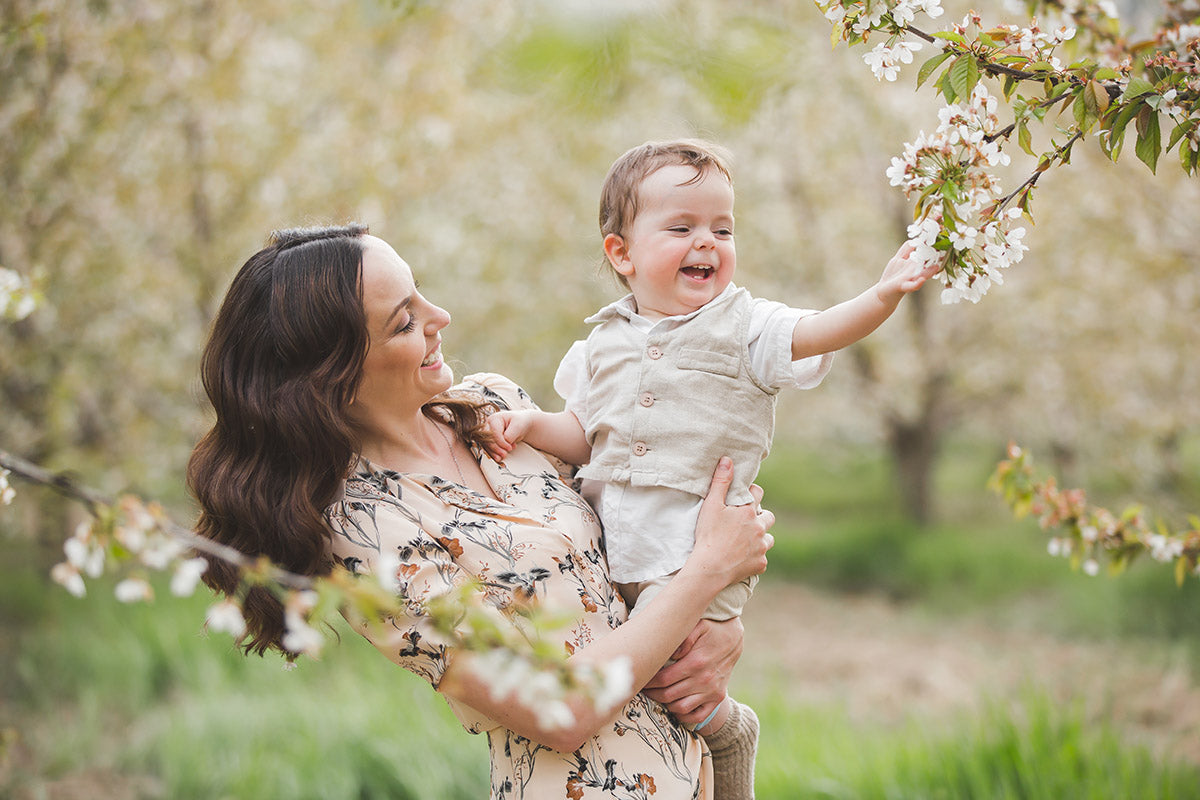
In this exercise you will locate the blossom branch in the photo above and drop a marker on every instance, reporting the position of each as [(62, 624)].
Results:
[(1090, 533), (516, 658)]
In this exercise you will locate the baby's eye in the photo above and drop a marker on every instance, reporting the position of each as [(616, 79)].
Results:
[(724, 231), (678, 229)]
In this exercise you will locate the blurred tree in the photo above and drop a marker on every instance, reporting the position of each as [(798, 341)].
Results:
[(148, 147)]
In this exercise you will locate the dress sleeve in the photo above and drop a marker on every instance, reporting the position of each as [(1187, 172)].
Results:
[(498, 390), (379, 538)]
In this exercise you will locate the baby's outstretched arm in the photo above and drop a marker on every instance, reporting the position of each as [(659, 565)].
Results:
[(846, 323), (558, 434)]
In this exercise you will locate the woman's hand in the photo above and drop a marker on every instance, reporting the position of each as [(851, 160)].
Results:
[(698, 680), (731, 541)]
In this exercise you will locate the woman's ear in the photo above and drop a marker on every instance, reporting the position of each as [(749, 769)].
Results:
[(618, 254)]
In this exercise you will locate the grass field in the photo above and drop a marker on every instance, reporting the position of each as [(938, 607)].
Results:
[(98, 699)]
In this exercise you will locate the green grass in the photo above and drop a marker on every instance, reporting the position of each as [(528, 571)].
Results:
[(140, 691), (92, 688), (1032, 751)]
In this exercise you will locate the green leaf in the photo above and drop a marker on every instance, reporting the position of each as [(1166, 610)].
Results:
[(1177, 133), (1189, 159), (951, 36), (1181, 566), (1149, 143), (964, 74), (1079, 110), (929, 66), (1116, 137), (1136, 88), (1010, 86), (946, 87), (1024, 138), (1097, 96), (1106, 74)]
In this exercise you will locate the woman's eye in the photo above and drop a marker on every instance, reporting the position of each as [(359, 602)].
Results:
[(408, 326)]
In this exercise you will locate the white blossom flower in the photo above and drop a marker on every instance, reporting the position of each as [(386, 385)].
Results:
[(159, 550), (616, 683), (1164, 549), (133, 590), (187, 575), (932, 8), (299, 636), (226, 616), (1091, 567), (84, 552), (553, 714), (16, 297), (67, 575), (388, 571), (6, 492)]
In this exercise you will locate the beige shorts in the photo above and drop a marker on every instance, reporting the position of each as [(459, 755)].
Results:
[(728, 603)]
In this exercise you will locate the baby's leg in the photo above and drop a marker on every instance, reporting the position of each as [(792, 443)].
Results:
[(730, 601), (638, 594), (735, 744)]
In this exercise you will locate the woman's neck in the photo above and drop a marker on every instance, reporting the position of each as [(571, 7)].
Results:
[(395, 441)]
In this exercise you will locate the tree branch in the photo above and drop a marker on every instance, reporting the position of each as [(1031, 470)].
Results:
[(67, 486)]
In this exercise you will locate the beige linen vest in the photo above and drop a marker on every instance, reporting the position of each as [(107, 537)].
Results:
[(660, 413)]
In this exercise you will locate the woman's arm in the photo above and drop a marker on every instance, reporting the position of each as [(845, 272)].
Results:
[(731, 544)]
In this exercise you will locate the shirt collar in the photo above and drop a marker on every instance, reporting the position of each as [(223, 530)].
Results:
[(626, 307)]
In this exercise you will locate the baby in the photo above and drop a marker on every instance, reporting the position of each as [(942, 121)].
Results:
[(684, 369)]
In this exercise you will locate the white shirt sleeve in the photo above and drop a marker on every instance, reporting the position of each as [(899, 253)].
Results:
[(571, 381), (771, 326)]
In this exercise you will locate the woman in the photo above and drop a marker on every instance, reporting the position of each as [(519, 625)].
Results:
[(338, 445)]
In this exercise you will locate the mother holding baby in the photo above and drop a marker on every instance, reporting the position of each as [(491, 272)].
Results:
[(342, 443)]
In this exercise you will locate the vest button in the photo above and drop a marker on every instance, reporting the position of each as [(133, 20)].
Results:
[(640, 448), (655, 352), (646, 399)]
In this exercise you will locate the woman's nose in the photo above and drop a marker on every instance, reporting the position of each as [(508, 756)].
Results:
[(439, 319)]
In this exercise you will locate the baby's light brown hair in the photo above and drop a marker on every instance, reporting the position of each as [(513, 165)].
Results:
[(619, 196)]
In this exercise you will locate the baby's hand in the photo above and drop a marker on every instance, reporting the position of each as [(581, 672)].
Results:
[(905, 273), (508, 428)]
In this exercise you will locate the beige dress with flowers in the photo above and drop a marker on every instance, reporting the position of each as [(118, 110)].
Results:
[(540, 541)]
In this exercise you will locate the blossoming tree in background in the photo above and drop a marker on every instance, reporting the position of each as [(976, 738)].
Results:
[(1072, 68), (1071, 72)]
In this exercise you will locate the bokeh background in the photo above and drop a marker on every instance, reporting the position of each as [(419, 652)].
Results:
[(910, 640)]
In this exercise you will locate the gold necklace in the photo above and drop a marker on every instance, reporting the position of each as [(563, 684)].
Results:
[(462, 478)]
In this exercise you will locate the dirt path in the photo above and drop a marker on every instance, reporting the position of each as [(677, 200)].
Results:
[(882, 665)]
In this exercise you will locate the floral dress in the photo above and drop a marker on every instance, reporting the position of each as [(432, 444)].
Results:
[(540, 541)]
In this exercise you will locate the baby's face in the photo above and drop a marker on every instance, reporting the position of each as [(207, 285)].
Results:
[(678, 254)]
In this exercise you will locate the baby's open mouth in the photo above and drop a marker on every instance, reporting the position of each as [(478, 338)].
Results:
[(698, 273)]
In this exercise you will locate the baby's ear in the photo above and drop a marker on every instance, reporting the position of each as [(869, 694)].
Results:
[(618, 254)]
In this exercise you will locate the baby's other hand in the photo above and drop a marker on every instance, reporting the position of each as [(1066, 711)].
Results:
[(507, 428)]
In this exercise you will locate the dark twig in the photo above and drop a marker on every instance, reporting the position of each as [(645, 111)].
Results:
[(95, 501)]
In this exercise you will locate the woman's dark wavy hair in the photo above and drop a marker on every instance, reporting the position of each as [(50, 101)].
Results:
[(282, 364)]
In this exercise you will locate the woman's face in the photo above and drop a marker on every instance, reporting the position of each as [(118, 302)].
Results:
[(403, 368)]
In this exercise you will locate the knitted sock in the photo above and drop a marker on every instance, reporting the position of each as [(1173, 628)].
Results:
[(733, 748)]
